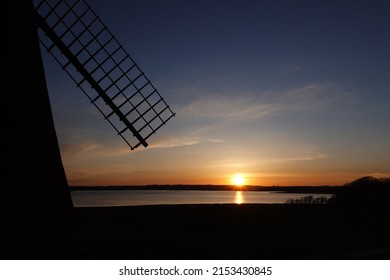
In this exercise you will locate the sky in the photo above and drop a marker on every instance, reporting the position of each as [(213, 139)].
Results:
[(280, 92)]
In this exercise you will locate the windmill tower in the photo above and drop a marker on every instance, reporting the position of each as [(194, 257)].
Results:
[(36, 194)]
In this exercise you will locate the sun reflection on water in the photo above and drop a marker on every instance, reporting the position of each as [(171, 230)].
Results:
[(239, 199)]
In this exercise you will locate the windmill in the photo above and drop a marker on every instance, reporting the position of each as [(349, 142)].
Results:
[(35, 182)]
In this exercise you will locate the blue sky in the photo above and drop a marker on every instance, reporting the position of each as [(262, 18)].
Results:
[(282, 92)]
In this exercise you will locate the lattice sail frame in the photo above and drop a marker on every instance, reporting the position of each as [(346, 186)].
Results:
[(102, 69)]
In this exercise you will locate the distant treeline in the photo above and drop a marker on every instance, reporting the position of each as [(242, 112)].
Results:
[(365, 191), (289, 189)]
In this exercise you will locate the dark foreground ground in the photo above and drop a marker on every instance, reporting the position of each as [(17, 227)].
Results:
[(229, 232)]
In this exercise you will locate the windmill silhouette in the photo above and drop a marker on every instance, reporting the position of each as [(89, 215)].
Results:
[(36, 193)]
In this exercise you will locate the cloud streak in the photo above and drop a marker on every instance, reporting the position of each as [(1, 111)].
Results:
[(257, 106), (78, 148), (173, 142), (176, 141)]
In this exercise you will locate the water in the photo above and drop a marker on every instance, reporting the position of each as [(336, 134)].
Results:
[(155, 197)]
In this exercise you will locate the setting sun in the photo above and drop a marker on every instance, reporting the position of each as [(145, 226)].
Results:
[(238, 180)]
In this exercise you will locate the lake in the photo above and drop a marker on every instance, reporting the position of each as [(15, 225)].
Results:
[(155, 197)]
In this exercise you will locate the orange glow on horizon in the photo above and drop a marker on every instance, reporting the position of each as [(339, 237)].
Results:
[(106, 177)]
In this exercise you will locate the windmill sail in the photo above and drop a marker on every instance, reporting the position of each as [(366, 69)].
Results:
[(102, 69)]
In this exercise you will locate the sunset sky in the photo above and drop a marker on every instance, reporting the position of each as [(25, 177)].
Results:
[(281, 92)]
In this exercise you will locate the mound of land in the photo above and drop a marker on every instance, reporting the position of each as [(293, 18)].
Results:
[(229, 232)]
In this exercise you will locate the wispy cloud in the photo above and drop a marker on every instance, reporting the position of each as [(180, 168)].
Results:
[(77, 148), (246, 107), (178, 141), (310, 97), (181, 141), (228, 107), (309, 154), (301, 157)]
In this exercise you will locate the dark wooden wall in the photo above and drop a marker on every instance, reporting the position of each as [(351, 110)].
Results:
[(35, 198)]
